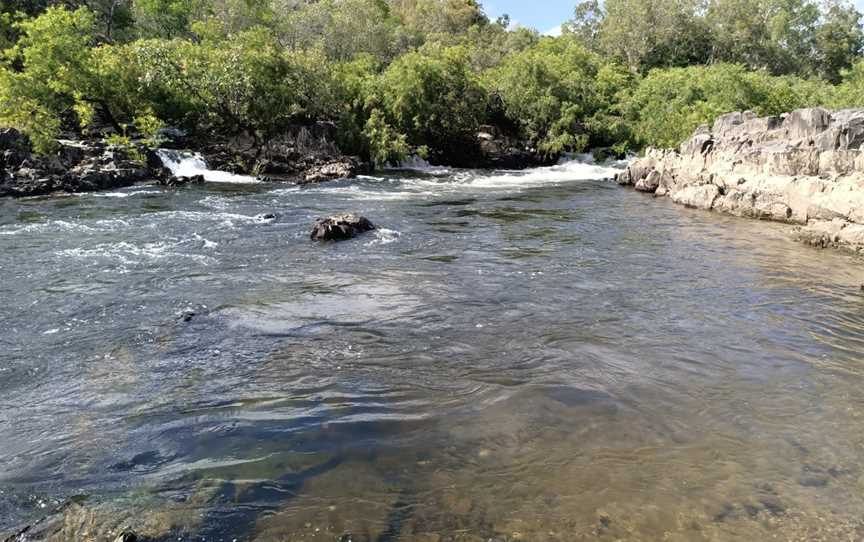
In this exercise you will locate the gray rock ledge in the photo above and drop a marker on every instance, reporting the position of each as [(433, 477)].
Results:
[(804, 168)]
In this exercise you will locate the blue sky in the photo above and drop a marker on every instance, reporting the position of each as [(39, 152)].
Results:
[(545, 15), (542, 15)]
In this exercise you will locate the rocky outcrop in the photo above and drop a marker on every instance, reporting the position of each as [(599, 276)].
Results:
[(340, 227), (497, 150), (804, 168), (75, 166), (302, 158), (340, 168)]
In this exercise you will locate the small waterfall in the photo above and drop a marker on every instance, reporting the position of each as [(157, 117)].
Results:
[(189, 164)]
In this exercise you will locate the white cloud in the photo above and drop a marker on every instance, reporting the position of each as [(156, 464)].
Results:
[(554, 32)]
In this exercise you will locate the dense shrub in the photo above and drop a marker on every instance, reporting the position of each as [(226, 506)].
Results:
[(432, 98), (559, 93), (668, 105), (401, 76)]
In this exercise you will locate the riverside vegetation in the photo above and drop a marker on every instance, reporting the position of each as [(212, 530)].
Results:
[(383, 79)]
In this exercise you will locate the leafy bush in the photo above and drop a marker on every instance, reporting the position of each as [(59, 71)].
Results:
[(433, 98), (850, 92), (558, 92), (419, 75), (668, 105)]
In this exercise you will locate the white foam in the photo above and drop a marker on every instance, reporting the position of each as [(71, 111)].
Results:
[(383, 236), (118, 194), (64, 226), (131, 254), (575, 170), (190, 164)]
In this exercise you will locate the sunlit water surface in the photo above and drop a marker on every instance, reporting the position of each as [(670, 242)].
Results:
[(513, 356)]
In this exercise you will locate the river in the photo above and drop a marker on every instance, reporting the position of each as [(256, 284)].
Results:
[(537, 356)]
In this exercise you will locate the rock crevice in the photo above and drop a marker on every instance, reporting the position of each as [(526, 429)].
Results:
[(804, 168)]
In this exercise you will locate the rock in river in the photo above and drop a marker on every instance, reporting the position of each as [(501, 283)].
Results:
[(340, 227)]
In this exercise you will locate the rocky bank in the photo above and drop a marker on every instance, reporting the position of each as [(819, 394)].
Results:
[(804, 168), (76, 165)]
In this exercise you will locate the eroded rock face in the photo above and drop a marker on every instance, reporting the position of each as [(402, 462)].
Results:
[(804, 168), (302, 158), (75, 166), (340, 227)]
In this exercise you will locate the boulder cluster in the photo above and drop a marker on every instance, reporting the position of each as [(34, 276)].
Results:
[(805, 168), (75, 166)]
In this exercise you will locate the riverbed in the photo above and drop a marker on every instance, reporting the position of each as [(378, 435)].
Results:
[(535, 355)]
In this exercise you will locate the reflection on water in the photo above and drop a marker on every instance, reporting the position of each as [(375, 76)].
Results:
[(536, 356)]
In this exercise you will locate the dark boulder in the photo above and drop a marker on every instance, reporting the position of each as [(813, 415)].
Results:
[(174, 182), (72, 153), (340, 227), (13, 140)]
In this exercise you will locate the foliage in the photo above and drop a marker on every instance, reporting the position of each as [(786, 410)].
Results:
[(802, 37), (386, 145), (850, 93), (839, 40), (400, 76), (19, 109), (432, 97), (54, 52), (668, 105), (343, 29), (557, 91)]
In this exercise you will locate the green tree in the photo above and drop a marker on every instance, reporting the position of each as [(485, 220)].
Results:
[(551, 92), (850, 92), (164, 18), (774, 35), (644, 34), (587, 19), (433, 98), (53, 75), (343, 28), (839, 39)]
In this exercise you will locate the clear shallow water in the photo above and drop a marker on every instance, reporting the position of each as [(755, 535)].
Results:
[(534, 356)]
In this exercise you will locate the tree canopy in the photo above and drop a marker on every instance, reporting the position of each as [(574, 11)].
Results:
[(402, 76)]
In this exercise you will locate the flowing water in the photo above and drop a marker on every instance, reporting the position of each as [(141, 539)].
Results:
[(511, 356)]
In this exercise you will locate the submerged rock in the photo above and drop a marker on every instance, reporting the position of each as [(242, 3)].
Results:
[(804, 168), (340, 227)]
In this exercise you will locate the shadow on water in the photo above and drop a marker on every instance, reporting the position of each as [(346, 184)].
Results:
[(235, 512)]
